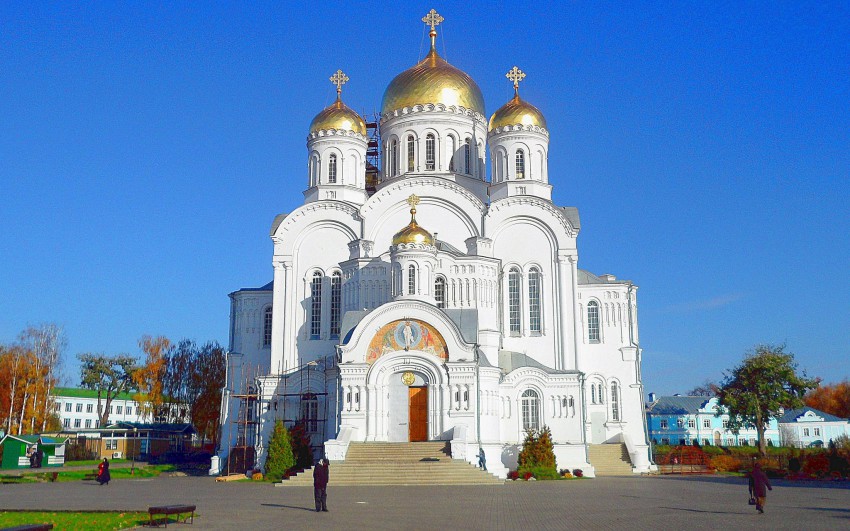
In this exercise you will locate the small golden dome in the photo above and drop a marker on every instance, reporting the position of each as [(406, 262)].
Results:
[(338, 116), (413, 233), (434, 81), (517, 112)]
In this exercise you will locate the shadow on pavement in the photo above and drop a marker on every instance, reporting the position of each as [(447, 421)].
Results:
[(287, 506)]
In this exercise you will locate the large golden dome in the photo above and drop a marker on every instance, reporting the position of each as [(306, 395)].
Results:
[(338, 116), (433, 80), (517, 112), (413, 233)]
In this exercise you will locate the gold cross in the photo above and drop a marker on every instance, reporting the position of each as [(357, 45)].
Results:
[(433, 19), (413, 200), (339, 79), (516, 75)]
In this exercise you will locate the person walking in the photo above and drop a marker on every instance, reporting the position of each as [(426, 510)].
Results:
[(482, 459), (759, 485), (103, 476), (320, 485)]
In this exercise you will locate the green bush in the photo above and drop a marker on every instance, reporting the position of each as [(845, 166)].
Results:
[(540, 472), (713, 450), (280, 458)]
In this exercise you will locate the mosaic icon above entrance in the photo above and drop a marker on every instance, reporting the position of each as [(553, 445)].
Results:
[(407, 334)]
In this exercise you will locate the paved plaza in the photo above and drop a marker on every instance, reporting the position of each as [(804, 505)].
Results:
[(603, 503)]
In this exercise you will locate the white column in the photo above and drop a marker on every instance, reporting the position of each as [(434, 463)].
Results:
[(575, 317), (290, 352), (564, 304), (278, 318)]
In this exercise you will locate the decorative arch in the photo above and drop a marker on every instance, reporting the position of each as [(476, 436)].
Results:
[(406, 335)]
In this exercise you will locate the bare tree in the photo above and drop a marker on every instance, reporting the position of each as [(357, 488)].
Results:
[(708, 388)]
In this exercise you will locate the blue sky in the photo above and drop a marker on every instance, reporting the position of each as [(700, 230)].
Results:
[(145, 149)]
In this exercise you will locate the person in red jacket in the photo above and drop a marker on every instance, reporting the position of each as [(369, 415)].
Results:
[(320, 485), (759, 485)]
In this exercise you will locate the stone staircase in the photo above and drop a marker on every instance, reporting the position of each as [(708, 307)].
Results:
[(380, 463), (610, 459)]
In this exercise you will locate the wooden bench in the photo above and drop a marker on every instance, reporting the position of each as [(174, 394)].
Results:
[(90, 476), (167, 510)]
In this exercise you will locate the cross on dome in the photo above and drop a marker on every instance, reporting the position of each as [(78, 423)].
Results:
[(516, 75), (413, 200), (433, 19), (339, 79)]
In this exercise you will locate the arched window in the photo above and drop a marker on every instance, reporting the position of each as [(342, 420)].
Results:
[(393, 158), (316, 305), (332, 169), (310, 412), (520, 164), (336, 302), (411, 279), (267, 327), (513, 301), (593, 322), (440, 292), (592, 393), (452, 148), (467, 168), (530, 410), (534, 324), (411, 153), (430, 152), (615, 402)]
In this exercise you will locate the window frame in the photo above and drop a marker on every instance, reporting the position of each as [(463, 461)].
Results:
[(430, 152), (336, 303), (530, 407), (411, 279), (316, 305), (594, 332), (411, 153), (535, 314), (520, 164), (332, 169), (514, 301), (440, 291)]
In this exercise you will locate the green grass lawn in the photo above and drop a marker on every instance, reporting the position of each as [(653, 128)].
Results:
[(75, 520), (95, 462), (148, 471)]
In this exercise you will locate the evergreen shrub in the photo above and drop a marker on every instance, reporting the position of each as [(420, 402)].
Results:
[(280, 458)]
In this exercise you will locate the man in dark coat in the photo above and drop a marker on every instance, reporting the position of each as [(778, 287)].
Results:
[(320, 485), (759, 484)]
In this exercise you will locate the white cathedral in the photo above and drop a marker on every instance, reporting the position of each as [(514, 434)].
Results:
[(424, 302)]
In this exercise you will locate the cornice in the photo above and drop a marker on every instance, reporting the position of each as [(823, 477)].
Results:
[(427, 181), (435, 108), (518, 128), (336, 133), (316, 206), (537, 202)]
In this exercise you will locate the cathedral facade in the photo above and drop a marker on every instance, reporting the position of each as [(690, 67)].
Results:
[(425, 301)]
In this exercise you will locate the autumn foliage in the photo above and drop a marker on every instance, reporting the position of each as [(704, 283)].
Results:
[(28, 372), (833, 399)]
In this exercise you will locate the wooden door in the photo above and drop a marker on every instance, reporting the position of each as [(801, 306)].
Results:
[(418, 417)]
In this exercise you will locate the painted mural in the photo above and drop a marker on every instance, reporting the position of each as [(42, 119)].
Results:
[(408, 334)]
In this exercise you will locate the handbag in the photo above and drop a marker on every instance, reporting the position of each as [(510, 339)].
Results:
[(752, 501)]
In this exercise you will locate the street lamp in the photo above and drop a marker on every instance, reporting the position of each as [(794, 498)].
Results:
[(133, 467)]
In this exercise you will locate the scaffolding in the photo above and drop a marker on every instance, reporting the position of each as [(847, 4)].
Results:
[(300, 397), (373, 152), (241, 455)]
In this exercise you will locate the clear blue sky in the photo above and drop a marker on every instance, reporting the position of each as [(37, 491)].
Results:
[(145, 149)]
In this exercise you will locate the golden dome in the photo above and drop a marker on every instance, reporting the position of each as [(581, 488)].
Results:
[(413, 233), (434, 81), (338, 116), (516, 111)]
